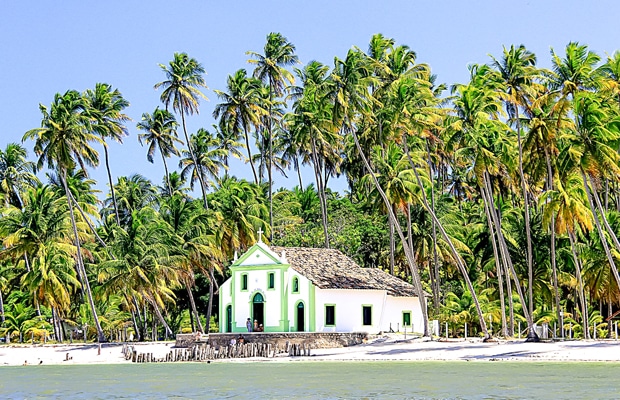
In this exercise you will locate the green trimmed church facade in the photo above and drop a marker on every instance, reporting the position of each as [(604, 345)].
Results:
[(313, 290)]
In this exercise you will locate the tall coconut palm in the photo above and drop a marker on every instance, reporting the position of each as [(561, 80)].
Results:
[(312, 129), (352, 78), (270, 68), (105, 106), (206, 162), (160, 132), (181, 89), (228, 143), (517, 71), (62, 142), (241, 108), (16, 174)]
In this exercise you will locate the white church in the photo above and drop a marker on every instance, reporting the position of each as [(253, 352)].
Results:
[(294, 289)]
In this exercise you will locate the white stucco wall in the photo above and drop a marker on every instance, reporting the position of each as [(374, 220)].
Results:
[(385, 310), (349, 309), (394, 314), (257, 283), (294, 298)]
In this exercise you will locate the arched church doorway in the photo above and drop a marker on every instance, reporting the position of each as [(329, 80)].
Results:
[(301, 326), (229, 318), (258, 309)]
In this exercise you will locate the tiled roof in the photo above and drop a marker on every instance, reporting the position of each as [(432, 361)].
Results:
[(331, 269)]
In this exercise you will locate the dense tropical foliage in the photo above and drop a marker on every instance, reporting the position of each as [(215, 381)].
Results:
[(500, 196)]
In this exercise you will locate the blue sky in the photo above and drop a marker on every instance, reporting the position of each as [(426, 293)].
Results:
[(49, 47)]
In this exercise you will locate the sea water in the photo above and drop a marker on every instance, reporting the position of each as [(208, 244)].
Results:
[(315, 380)]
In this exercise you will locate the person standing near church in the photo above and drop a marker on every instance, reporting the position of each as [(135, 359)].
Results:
[(248, 325)]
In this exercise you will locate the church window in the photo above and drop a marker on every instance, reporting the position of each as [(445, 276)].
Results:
[(295, 285), (244, 282), (367, 315), (330, 315), (406, 318), (271, 280)]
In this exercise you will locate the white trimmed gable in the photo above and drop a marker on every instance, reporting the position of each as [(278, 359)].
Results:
[(259, 254)]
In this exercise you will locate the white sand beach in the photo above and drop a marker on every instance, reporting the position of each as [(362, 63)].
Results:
[(382, 349)]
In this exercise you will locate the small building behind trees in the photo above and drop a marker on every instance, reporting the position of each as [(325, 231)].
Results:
[(295, 289)]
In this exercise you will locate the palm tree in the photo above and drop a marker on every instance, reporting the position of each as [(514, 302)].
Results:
[(241, 108), (160, 132), (104, 107), (134, 193), (16, 174), (206, 160), (228, 142), (270, 69), (184, 78), (517, 71), (352, 79), (63, 141), (312, 130)]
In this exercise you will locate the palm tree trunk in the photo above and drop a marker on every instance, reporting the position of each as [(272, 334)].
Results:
[(301, 184), (415, 273), (498, 267), (210, 304), (582, 296), (160, 318), (2, 319), (435, 273), (141, 327), (392, 240), (554, 267), (459, 261), (506, 256), (203, 187), (80, 263), (107, 166), (193, 305), (611, 232), (167, 174), (599, 229), (528, 233), (247, 147), (320, 191)]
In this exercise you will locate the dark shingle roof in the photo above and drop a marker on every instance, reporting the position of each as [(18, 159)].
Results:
[(331, 269)]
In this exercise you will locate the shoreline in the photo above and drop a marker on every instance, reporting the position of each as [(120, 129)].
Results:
[(381, 349)]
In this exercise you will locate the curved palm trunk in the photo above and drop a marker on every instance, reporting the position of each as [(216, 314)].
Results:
[(321, 191), (599, 229), (582, 295), (140, 330), (392, 240), (554, 268), (455, 254), (161, 319), (193, 306), (301, 184), (498, 268), (247, 147), (80, 262), (505, 254), (415, 273), (210, 305), (435, 273), (107, 166), (203, 187), (2, 319), (528, 233), (611, 232), (167, 174)]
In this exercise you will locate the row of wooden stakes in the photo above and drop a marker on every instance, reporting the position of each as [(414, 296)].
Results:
[(205, 352)]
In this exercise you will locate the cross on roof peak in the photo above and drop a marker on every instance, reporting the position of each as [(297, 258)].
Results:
[(260, 235)]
